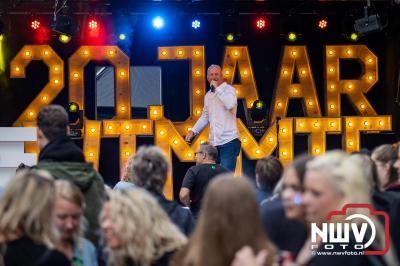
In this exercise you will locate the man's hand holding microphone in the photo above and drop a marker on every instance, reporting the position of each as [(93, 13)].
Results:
[(213, 85)]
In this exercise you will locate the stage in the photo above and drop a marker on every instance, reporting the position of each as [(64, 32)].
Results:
[(135, 74)]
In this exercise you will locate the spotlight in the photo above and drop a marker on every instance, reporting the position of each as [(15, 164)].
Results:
[(93, 31), (93, 24), (353, 37), (230, 25), (195, 24), (75, 120), (64, 38), (261, 23), (73, 107), (230, 37), (258, 110), (122, 36), (256, 118), (158, 23), (64, 24), (368, 24), (292, 36), (35, 24), (322, 24), (291, 27), (260, 104)]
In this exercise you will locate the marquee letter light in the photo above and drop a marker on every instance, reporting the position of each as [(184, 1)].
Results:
[(31, 146), (155, 112), (91, 141), (56, 77), (369, 124), (268, 142), (115, 56), (168, 134), (256, 150), (354, 89), (295, 57), (127, 130), (167, 137), (285, 140), (317, 128), (196, 57), (238, 57)]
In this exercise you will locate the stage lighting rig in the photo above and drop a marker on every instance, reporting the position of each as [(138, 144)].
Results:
[(370, 23), (158, 23), (291, 27), (35, 24), (93, 24), (353, 37), (230, 25), (230, 37), (292, 36), (62, 22), (64, 38), (196, 24), (75, 116), (258, 111), (256, 118), (261, 23), (322, 24)]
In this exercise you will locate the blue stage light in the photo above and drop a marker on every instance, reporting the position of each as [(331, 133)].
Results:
[(158, 23), (122, 36), (195, 24)]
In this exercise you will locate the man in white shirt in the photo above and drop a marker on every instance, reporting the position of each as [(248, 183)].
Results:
[(220, 106)]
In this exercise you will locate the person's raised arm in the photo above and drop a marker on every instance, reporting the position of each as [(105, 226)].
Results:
[(227, 96)]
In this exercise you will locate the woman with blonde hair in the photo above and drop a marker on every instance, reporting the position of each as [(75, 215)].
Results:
[(70, 204), (27, 231), (384, 157), (332, 181), (229, 220), (137, 230)]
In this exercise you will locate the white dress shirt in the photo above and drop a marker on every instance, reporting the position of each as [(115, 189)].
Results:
[(220, 110)]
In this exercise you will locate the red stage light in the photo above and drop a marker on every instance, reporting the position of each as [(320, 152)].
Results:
[(93, 24), (261, 23), (35, 24), (96, 31), (322, 24)]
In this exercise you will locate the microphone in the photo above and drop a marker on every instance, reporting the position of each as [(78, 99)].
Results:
[(212, 88), (213, 85)]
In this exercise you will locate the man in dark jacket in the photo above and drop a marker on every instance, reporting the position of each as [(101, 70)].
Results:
[(149, 169), (64, 160)]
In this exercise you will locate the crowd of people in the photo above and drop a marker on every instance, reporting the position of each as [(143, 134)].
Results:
[(60, 212)]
